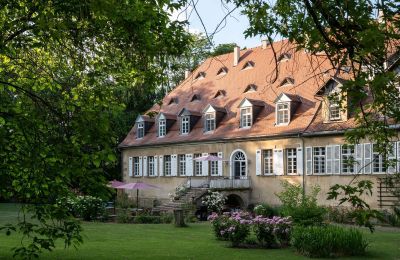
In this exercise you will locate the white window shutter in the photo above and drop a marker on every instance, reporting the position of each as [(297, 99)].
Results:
[(299, 160), (359, 158), (155, 165), (278, 161), (140, 166), (161, 166), (392, 158), (309, 160), (336, 159), (329, 159), (367, 158), (189, 164), (174, 165), (258, 162), (204, 166), (144, 165), (130, 166), (398, 157), (220, 164)]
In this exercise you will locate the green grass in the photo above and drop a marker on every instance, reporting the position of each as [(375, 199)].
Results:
[(134, 241)]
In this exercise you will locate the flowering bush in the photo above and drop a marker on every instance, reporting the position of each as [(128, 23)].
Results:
[(86, 207), (214, 201), (179, 192), (235, 227)]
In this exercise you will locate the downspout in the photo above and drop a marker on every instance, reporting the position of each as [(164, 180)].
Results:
[(303, 164)]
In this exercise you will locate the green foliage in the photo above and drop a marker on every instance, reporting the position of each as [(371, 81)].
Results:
[(124, 216), (341, 215), (223, 49), (265, 210), (73, 74), (214, 201), (166, 218), (302, 208), (124, 201), (328, 241), (352, 194)]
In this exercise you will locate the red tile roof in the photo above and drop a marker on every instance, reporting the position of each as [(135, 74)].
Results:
[(310, 73)]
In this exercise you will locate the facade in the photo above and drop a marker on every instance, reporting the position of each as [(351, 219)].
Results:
[(269, 119)]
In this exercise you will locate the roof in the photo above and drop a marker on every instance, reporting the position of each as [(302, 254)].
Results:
[(310, 73)]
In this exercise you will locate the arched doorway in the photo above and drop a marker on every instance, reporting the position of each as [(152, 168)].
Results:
[(238, 164), (234, 201)]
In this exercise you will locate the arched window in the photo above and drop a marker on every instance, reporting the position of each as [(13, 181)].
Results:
[(239, 165)]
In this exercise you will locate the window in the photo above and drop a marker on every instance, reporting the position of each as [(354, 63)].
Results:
[(291, 161), (334, 111), (319, 159), (245, 117), (162, 130), (173, 101), (213, 166), (140, 130), (209, 122), (378, 161), (167, 165), (282, 113), (219, 94), (250, 88), (239, 165), (150, 165), (268, 162), (248, 65), (136, 166), (222, 71), (348, 159), (200, 75), (195, 97), (197, 165), (182, 164), (185, 124), (284, 57), (287, 82)]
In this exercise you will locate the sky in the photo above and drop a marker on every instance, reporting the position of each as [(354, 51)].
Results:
[(212, 12)]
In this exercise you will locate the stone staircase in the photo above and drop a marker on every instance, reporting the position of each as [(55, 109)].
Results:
[(185, 202)]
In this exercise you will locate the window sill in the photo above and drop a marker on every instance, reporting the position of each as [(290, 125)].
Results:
[(283, 124)]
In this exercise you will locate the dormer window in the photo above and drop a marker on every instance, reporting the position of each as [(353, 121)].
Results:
[(219, 94), (200, 75), (284, 57), (209, 122), (287, 82), (334, 111), (250, 88), (140, 130), (248, 65), (282, 114), (185, 124), (162, 127), (173, 101), (195, 97), (246, 117), (222, 71)]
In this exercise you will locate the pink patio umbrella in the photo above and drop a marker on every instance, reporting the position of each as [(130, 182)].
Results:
[(115, 183), (209, 158), (138, 186)]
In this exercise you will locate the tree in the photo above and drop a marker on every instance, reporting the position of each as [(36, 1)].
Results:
[(223, 49), (360, 35), (68, 70)]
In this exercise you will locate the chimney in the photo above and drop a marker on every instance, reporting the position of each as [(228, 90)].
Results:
[(380, 16), (236, 55), (264, 44), (187, 73)]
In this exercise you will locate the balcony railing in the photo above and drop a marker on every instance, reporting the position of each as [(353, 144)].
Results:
[(230, 183)]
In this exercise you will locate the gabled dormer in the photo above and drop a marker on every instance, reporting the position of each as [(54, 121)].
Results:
[(212, 116), (164, 123), (334, 103), (187, 120), (285, 107), (249, 110), (143, 123)]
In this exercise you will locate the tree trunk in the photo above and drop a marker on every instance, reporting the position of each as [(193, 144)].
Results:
[(179, 218)]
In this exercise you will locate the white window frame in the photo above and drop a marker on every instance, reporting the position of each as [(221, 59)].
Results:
[(291, 161), (209, 120), (182, 164), (136, 165), (334, 111), (268, 161), (197, 165), (246, 117), (348, 156), (185, 125), (140, 130), (283, 113), (213, 166), (150, 166), (162, 127), (167, 165), (378, 161), (319, 160)]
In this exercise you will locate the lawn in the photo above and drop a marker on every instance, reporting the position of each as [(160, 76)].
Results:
[(134, 241)]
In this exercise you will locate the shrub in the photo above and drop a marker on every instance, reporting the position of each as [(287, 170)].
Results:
[(328, 241), (341, 215), (166, 218), (124, 216), (269, 231), (219, 223), (214, 201), (147, 219), (303, 209), (265, 210), (86, 207), (123, 201)]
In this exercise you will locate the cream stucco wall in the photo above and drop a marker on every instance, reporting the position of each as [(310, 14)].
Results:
[(263, 187)]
